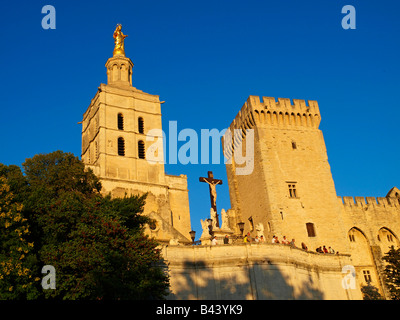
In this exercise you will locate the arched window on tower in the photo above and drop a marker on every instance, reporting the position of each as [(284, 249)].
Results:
[(141, 125), (141, 150), (120, 121), (292, 190), (121, 146)]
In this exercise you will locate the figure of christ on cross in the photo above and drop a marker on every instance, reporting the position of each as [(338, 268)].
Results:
[(213, 192)]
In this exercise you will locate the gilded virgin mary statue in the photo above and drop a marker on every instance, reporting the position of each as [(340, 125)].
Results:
[(119, 37)]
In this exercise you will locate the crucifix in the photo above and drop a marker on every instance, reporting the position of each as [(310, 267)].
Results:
[(213, 192)]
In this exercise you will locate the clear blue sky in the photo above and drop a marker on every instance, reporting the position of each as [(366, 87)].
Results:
[(204, 58)]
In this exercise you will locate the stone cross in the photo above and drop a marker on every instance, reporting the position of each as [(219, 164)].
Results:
[(213, 192)]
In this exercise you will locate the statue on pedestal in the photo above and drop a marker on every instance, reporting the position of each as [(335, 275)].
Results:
[(214, 217), (213, 193), (225, 220), (119, 41), (204, 226)]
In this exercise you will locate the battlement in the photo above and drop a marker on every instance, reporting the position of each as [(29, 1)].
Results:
[(281, 113), (298, 105), (369, 201)]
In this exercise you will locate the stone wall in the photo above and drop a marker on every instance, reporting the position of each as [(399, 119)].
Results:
[(255, 271), (372, 226)]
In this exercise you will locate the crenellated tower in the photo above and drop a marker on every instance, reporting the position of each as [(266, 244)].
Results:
[(290, 190)]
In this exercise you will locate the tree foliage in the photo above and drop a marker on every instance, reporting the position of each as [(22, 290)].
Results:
[(392, 272), (16, 260), (96, 243), (370, 292)]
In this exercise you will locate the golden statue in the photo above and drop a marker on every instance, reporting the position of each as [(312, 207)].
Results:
[(119, 41)]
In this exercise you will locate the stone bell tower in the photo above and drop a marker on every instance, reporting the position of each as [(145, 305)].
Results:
[(119, 127)]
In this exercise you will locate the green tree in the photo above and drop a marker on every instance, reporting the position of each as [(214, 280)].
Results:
[(370, 292), (392, 272), (17, 263), (96, 244), (99, 257)]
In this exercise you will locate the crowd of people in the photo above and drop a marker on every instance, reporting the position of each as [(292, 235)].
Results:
[(320, 249), (323, 249), (285, 241), (248, 239)]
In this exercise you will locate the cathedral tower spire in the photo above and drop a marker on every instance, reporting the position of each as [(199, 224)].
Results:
[(119, 67), (119, 126)]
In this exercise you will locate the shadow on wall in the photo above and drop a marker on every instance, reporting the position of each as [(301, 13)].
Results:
[(242, 281)]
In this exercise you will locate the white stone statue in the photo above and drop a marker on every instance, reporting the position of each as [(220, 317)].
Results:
[(204, 225), (260, 229), (225, 220), (214, 218)]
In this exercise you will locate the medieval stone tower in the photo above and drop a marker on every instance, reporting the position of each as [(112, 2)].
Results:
[(290, 191), (116, 127)]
